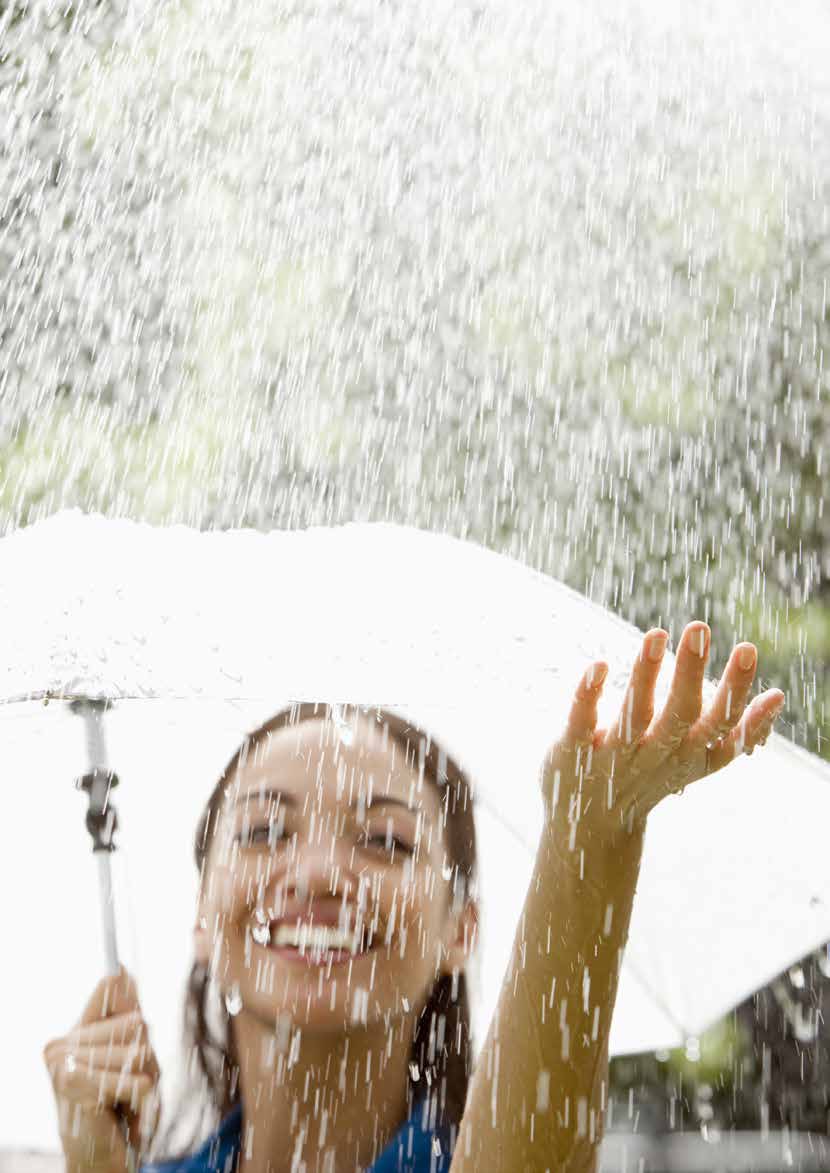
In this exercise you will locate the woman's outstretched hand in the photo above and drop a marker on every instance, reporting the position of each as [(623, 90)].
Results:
[(605, 780)]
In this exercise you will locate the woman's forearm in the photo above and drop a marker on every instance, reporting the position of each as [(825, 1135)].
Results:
[(538, 1094)]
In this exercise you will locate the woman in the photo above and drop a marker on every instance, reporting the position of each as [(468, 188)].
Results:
[(336, 916)]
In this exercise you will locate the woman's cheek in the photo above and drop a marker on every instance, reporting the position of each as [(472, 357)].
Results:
[(238, 877), (226, 895)]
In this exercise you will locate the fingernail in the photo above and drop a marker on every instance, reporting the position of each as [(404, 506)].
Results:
[(656, 647), (699, 641), (597, 675), (746, 658)]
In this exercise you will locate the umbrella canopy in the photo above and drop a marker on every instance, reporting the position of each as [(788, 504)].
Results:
[(201, 636)]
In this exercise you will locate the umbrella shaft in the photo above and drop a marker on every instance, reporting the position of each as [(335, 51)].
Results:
[(107, 912), (95, 745)]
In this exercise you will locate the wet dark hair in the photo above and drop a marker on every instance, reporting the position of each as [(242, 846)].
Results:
[(441, 1052)]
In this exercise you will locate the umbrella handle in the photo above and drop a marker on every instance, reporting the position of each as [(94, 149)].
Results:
[(112, 965), (107, 913)]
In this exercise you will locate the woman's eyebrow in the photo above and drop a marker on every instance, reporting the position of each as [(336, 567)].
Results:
[(290, 800)]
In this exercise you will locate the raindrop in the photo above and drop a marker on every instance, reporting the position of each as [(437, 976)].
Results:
[(283, 1033), (436, 1146), (543, 1091), (233, 1000), (796, 976), (360, 1005), (261, 934), (693, 1049), (414, 1073), (344, 732)]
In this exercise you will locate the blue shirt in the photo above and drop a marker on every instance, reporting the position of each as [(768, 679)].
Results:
[(415, 1148)]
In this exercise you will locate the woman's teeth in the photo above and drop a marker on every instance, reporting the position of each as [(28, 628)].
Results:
[(321, 937), (315, 940)]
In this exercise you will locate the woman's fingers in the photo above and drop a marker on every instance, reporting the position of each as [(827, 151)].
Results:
[(730, 698), (682, 708), (638, 706), (121, 1028), (570, 755), (753, 729), (667, 752), (132, 1059), (128, 1029), (91, 1089), (582, 719)]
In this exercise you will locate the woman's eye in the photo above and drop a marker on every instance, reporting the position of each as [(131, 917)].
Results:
[(389, 843), (261, 836)]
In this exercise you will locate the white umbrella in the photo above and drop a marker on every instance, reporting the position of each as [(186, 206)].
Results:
[(221, 629)]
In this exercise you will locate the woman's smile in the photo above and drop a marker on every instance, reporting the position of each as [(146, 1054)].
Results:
[(313, 943)]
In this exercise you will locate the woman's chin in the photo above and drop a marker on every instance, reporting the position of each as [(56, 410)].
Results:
[(274, 967), (331, 1000), (310, 1011)]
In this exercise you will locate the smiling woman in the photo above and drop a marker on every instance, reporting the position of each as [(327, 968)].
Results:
[(327, 1008)]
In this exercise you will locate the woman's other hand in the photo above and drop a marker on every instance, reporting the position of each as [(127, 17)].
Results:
[(608, 779), (105, 1078)]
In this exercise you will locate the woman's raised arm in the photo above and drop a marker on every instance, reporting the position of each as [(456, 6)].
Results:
[(538, 1094)]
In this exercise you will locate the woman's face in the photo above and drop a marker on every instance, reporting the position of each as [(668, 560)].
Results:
[(327, 891)]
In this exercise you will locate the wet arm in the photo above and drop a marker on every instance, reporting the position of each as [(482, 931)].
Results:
[(538, 1094)]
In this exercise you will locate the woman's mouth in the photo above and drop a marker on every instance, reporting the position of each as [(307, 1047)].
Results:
[(312, 945)]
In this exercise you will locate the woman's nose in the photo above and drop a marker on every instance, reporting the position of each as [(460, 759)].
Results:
[(325, 867)]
